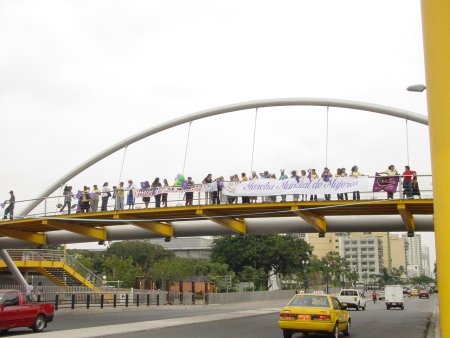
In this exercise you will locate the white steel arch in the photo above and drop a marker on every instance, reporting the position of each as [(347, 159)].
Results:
[(324, 102)]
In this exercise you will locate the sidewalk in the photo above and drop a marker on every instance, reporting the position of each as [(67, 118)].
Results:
[(434, 330)]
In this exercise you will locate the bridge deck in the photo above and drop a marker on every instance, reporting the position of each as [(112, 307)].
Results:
[(230, 215)]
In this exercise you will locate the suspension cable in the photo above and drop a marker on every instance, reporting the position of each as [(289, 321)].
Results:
[(254, 138), (407, 141), (187, 145), (326, 141), (123, 162)]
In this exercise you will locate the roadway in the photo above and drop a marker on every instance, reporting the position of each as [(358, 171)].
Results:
[(256, 319)]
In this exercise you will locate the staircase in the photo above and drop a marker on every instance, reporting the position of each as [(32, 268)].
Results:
[(62, 269)]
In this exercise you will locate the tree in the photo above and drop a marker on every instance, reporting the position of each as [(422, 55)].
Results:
[(278, 254), (336, 265), (143, 253), (421, 280), (123, 270)]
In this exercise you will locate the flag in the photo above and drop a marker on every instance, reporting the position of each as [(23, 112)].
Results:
[(385, 183)]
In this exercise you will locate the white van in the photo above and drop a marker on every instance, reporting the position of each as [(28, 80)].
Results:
[(394, 296), (353, 298)]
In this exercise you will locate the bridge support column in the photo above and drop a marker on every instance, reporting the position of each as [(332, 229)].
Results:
[(14, 270), (436, 38)]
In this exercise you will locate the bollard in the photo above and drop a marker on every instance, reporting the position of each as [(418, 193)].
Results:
[(56, 302), (206, 293), (157, 299), (148, 299), (137, 300), (72, 305), (102, 300), (126, 300), (115, 300), (181, 291), (88, 300)]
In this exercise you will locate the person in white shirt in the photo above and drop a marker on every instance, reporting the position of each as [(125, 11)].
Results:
[(106, 194), (130, 195)]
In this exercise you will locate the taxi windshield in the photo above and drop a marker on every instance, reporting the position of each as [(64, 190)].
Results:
[(310, 301)]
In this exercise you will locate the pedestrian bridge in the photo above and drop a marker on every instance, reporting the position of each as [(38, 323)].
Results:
[(212, 220), (371, 213)]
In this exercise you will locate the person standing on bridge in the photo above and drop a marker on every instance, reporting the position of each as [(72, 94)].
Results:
[(130, 196), (106, 194), (407, 181), (391, 171), (120, 196), (155, 186), (344, 174), (68, 195), (303, 176), (297, 179), (189, 195), (283, 176), (164, 196), (312, 175), (326, 175), (85, 200), (355, 173), (95, 198), (10, 209), (207, 180)]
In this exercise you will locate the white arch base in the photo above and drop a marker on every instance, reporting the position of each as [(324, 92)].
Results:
[(255, 226)]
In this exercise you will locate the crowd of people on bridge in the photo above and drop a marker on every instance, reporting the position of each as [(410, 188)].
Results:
[(90, 200)]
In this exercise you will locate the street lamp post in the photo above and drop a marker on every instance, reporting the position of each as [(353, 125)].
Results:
[(327, 267), (305, 274)]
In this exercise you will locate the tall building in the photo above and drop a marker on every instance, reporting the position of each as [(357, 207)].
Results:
[(323, 245), (426, 264), (414, 252), (365, 255)]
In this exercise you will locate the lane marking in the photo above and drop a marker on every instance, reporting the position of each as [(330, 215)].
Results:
[(98, 331)]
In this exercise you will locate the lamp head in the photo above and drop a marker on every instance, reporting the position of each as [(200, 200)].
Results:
[(416, 88)]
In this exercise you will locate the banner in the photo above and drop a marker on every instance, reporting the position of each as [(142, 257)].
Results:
[(385, 183), (269, 187), (175, 190)]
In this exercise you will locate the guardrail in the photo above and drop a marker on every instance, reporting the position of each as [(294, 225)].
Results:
[(55, 255), (49, 205)]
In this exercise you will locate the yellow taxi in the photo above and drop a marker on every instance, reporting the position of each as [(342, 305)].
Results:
[(414, 292), (314, 313)]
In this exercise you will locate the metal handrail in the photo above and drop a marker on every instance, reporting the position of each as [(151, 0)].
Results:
[(174, 200), (56, 255)]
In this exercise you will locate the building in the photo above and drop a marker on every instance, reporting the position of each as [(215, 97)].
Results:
[(413, 247), (323, 245), (426, 264), (365, 255), (188, 247)]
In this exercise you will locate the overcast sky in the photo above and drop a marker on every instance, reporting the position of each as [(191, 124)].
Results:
[(78, 76)]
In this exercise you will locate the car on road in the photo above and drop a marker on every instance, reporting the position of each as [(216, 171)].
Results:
[(354, 298), (424, 294), (314, 313), (381, 295), (414, 292), (15, 311)]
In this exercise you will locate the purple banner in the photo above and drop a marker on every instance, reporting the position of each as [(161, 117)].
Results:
[(385, 183)]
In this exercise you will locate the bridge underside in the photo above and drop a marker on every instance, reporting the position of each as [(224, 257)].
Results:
[(214, 220)]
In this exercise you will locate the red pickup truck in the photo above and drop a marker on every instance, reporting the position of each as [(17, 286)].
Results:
[(16, 312)]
